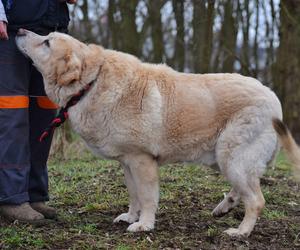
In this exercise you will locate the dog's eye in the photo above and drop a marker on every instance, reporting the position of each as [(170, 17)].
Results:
[(47, 43)]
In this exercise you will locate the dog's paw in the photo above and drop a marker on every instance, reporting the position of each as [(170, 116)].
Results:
[(139, 227), (235, 232), (126, 217)]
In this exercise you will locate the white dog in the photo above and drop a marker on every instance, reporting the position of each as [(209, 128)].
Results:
[(146, 115)]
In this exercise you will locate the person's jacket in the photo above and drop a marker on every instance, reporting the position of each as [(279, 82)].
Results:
[(31, 14)]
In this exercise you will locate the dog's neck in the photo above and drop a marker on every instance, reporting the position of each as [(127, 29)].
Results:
[(73, 100), (62, 94)]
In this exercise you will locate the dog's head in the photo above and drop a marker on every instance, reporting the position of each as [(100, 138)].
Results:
[(56, 55), (62, 60)]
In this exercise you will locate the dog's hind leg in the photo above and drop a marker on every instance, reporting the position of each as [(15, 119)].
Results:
[(231, 200), (144, 171), (134, 207), (243, 172), (243, 150), (252, 197)]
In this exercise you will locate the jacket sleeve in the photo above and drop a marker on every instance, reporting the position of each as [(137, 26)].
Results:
[(2, 13)]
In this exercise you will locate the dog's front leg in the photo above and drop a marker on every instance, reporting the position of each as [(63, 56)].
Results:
[(144, 171), (134, 207)]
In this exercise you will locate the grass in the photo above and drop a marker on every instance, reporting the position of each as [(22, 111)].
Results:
[(89, 193)]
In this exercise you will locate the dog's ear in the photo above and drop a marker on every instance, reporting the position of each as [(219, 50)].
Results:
[(68, 69)]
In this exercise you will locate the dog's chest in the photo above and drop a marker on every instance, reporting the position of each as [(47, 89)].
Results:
[(94, 130)]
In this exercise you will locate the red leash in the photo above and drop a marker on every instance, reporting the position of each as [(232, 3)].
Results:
[(63, 115)]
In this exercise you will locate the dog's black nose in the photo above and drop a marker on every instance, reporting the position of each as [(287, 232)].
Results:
[(22, 32)]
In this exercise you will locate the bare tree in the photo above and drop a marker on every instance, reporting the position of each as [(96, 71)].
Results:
[(179, 55), (286, 73), (112, 25), (154, 7), (128, 29), (228, 36)]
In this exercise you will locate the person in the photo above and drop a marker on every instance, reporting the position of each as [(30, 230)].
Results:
[(25, 111)]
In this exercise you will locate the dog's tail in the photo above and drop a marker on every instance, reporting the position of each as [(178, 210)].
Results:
[(288, 143)]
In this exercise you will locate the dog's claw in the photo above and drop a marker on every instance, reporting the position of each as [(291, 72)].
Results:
[(139, 227), (235, 232), (126, 217)]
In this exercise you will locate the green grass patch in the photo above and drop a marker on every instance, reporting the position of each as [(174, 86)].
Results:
[(272, 214), (89, 193)]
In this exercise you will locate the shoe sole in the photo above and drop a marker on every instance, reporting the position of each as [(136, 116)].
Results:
[(39, 222)]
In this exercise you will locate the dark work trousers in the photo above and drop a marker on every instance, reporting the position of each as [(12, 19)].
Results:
[(24, 113)]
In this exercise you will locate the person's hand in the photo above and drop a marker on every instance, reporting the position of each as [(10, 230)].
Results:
[(3, 31)]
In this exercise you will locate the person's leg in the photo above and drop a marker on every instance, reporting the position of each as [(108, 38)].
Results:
[(14, 134), (41, 113)]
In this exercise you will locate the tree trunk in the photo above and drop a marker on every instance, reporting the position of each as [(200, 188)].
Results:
[(154, 7), (286, 73), (228, 37), (129, 35), (179, 55), (208, 37), (255, 45), (113, 31), (245, 28), (199, 23), (86, 22)]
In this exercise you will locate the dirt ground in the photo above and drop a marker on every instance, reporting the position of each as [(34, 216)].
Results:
[(89, 193)]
